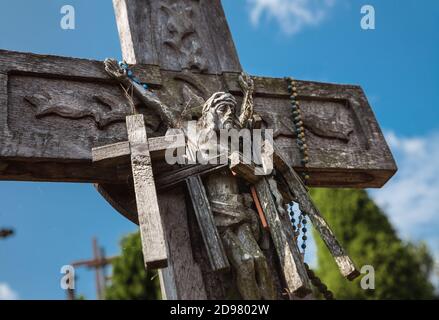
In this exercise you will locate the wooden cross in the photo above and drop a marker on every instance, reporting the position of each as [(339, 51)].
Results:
[(55, 110), (99, 262), (150, 222)]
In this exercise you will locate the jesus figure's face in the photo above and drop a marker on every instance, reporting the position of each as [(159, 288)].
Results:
[(225, 113)]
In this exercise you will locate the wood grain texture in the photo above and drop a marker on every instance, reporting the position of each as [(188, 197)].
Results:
[(293, 271), (206, 222), (150, 222), (4, 127), (116, 152), (221, 36), (176, 176), (301, 195), (13, 62), (121, 150), (346, 145), (182, 279), (131, 17), (68, 107), (176, 35), (247, 171)]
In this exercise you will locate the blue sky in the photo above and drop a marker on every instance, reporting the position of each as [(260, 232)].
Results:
[(396, 64)]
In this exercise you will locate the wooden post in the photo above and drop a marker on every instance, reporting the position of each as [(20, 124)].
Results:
[(98, 263), (215, 249), (293, 271), (99, 277)]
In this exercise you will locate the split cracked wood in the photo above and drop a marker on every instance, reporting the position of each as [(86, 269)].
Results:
[(212, 240), (290, 259)]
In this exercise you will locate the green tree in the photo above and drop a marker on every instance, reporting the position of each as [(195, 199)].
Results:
[(130, 280), (402, 270)]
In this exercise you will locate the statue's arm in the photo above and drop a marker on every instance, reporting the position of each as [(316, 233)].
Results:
[(150, 99), (247, 87)]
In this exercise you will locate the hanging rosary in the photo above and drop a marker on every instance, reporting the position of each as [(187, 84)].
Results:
[(298, 127), (304, 159), (301, 228)]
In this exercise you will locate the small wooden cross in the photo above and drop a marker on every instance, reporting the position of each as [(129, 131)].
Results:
[(150, 222)]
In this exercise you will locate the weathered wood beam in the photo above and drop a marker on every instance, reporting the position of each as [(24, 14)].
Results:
[(346, 145), (209, 32), (116, 152), (212, 240), (301, 195), (120, 151), (174, 177), (290, 259), (150, 222), (51, 66), (184, 279), (58, 129), (245, 169)]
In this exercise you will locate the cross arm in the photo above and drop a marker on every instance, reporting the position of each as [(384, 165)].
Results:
[(120, 152), (72, 105), (346, 145)]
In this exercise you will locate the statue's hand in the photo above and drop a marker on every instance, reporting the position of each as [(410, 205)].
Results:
[(246, 82), (115, 70)]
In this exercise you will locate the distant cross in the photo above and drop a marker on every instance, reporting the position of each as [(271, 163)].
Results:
[(180, 49), (98, 263), (5, 233)]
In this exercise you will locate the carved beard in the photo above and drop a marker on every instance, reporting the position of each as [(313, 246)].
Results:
[(226, 123)]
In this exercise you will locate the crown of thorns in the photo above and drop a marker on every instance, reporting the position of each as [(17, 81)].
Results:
[(218, 99)]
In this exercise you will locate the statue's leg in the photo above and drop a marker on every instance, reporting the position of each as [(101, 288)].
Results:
[(263, 275), (243, 264)]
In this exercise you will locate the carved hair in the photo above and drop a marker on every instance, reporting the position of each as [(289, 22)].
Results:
[(206, 125)]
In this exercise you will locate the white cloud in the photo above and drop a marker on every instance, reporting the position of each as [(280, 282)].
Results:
[(411, 197), (291, 15), (409, 146), (6, 293)]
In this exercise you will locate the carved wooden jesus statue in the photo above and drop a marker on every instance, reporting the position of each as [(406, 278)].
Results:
[(235, 219)]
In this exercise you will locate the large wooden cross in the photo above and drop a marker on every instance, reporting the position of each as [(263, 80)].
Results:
[(54, 110)]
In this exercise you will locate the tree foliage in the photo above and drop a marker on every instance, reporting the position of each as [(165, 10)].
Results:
[(130, 280), (402, 270)]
